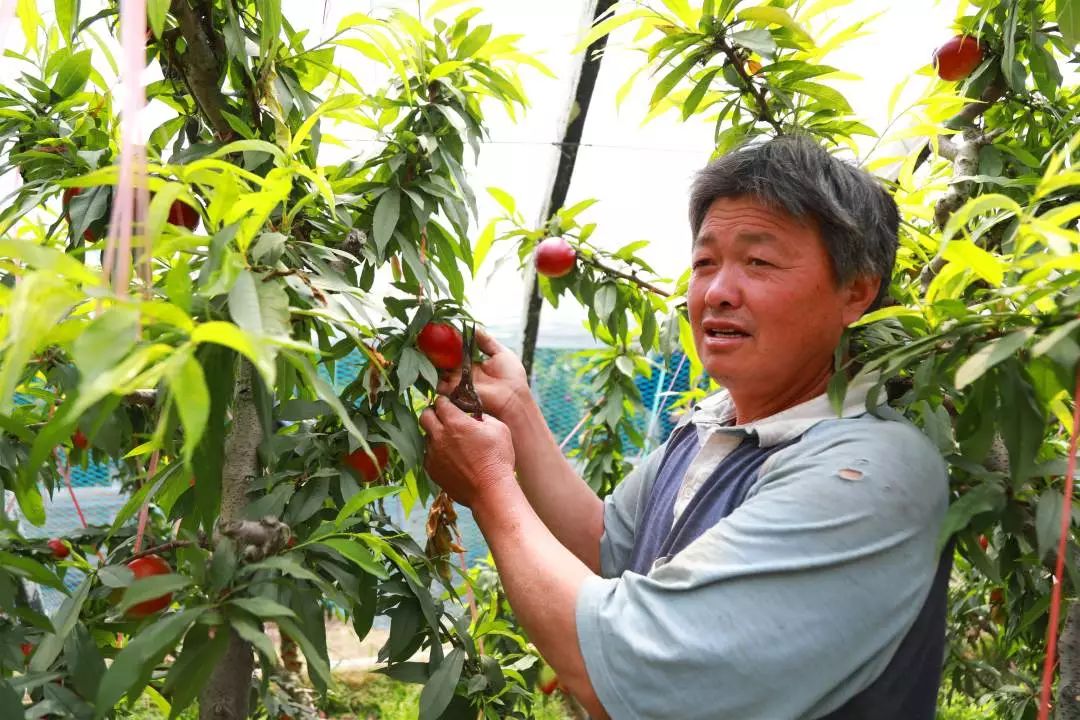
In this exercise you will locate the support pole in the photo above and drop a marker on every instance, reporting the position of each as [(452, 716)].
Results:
[(574, 125)]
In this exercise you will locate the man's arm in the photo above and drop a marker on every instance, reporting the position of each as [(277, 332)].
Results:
[(473, 461), (542, 580), (561, 499)]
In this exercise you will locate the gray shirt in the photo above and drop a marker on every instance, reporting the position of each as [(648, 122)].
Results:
[(790, 605)]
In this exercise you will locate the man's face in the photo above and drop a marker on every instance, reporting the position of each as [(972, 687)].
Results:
[(764, 306)]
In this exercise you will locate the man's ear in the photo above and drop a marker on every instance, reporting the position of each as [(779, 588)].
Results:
[(860, 292)]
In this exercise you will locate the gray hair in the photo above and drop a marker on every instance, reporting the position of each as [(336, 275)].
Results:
[(856, 216)]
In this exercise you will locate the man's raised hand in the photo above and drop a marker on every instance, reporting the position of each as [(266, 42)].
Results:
[(465, 457), (500, 380)]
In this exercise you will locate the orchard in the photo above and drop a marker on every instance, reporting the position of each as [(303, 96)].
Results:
[(174, 297)]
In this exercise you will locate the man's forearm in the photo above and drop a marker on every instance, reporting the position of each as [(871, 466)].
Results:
[(563, 502), (542, 579)]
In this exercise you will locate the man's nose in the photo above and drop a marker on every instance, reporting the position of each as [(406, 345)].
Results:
[(724, 288)]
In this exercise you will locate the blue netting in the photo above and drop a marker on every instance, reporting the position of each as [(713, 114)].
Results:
[(563, 396)]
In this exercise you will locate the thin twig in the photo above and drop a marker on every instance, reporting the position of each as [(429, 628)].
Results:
[(759, 94), (163, 548), (624, 275)]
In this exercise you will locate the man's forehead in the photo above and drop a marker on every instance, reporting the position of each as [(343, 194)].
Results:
[(751, 221)]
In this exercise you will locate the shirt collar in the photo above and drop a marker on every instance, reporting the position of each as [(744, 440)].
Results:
[(716, 413)]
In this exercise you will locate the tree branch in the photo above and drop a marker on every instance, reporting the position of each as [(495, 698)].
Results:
[(1068, 703), (965, 159), (241, 446), (759, 94), (202, 69), (163, 548), (225, 695), (966, 117), (624, 275)]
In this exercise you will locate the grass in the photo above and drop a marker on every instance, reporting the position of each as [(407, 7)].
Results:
[(370, 696), (361, 696)]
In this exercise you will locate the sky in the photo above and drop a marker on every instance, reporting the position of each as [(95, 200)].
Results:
[(639, 173)]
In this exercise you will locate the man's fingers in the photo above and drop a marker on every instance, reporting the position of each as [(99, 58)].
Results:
[(446, 411), (429, 420), (487, 344), (448, 381)]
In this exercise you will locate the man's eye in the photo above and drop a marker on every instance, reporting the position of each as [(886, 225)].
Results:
[(701, 262), (760, 263)]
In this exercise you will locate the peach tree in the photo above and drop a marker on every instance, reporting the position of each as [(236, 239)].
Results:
[(174, 303)]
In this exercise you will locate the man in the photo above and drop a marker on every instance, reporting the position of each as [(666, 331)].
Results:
[(771, 560)]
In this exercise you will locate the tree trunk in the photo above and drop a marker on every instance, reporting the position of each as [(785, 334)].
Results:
[(1068, 702), (226, 695)]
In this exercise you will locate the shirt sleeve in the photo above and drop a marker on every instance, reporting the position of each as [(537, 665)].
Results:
[(621, 511), (789, 606)]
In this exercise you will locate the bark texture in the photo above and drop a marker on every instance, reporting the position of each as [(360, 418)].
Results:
[(1068, 701), (228, 692)]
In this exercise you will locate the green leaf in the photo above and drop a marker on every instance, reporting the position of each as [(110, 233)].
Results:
[(11, 705), (31, 570), (1047, 344), (30, 19), (1044, 68), (667, 84), (1048, 521), (140, 656), (604, 301), (254, 634), (775, 16), (259, 353), (363, 498), (116, 576), (262, 607), (72, 74), (67, 18), (84, 659), (318, 667), (149, 588), (503, 198), (757, 39), (1008, 55), (106, 340), (33, 310), (610, 24), (197, 660), (988, 496), (439, 689), (694, 98), (386, 217), (156, 10), (64, 621), (1022, 419), (990, 355), (192, 399), (268, 248), (358, 554), (284, 564), (259, 307), (969, 255), (1068, 18)]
